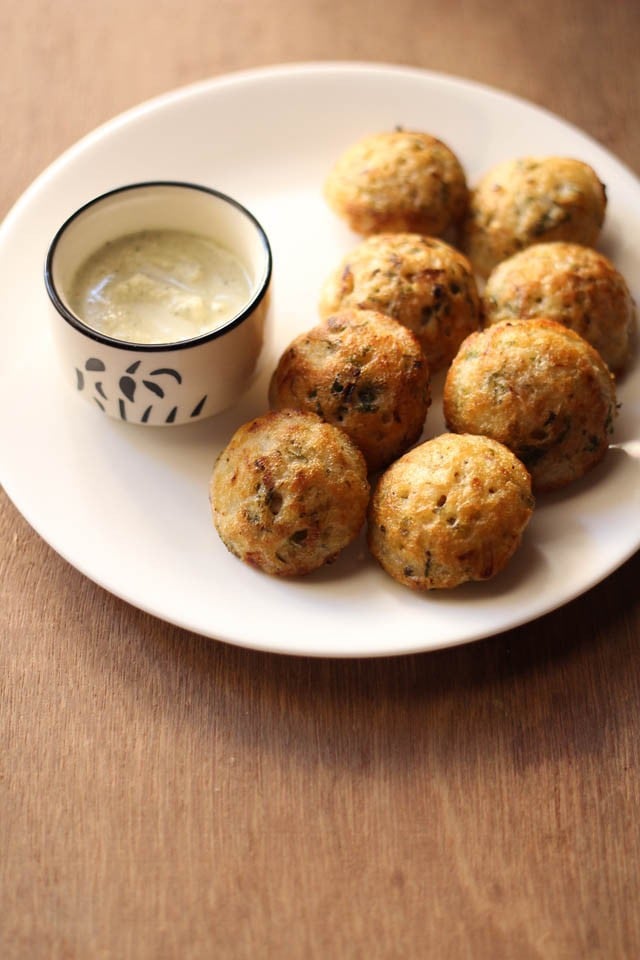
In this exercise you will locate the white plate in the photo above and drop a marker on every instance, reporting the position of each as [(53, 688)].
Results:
[(128, 506)]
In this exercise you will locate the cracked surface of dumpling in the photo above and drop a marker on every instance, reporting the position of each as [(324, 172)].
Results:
[(540, 389), (288, 493), (449, 511), (363, 372), (398, 180), (575, 285), (422, 282), (532, 200)]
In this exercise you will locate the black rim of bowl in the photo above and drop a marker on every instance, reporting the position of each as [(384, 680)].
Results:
[(93, 334)]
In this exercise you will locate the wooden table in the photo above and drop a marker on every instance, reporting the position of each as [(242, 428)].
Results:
[(168, 796)]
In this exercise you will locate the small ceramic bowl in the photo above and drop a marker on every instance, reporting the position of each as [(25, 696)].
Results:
[(160, 383)]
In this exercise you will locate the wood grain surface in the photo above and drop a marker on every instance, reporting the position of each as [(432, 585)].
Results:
[(167, 796)]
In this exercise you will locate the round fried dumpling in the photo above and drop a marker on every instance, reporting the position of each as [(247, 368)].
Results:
[(539, 388), (532, 200), (420, 281), (289, 492), (363, 372), (398, 180), (575, 285), (451, 510)]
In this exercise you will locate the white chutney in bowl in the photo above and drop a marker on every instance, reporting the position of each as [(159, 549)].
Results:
[(159, 295)]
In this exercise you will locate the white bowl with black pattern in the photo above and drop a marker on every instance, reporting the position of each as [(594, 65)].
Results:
[(168, 383)]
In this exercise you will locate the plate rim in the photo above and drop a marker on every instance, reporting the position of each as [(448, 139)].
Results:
[(290, 69)]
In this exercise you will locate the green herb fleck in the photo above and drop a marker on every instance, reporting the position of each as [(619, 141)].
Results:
[(366, 399)]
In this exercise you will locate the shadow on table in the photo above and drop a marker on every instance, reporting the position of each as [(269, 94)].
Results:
[(555, 686)]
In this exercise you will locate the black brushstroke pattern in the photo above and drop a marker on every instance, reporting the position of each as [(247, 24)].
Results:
[(154, 387), (128, 387), (197, 410), (94, 364), (169, 371)]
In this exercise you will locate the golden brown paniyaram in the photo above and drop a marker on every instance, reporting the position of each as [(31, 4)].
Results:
[(422, 282), (539, 388), (363, 372), (289, 492), (530, 200), (399, 180), (451, 510), (575, 285)]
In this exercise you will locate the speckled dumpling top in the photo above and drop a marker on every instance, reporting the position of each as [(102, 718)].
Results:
[(540, 389), (575, 285), (451, 510), (363, 372), (532, 200), (420, 281), (289, 492), (398, 180)]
